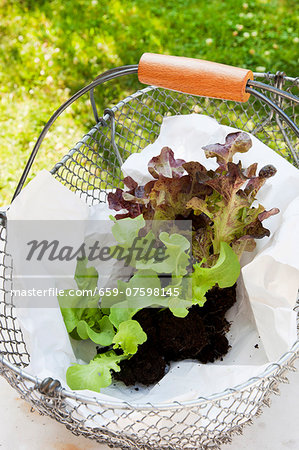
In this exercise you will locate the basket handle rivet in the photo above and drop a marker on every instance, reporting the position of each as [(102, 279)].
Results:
[(48, 386)]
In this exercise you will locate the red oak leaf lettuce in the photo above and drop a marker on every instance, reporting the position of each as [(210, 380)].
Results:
[(238, 142), (218, 202), (165, 164)]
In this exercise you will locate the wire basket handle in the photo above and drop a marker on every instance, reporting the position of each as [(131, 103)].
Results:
[(195, 76), (103, 78)]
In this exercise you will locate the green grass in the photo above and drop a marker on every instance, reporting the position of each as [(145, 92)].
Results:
[(50, 49)]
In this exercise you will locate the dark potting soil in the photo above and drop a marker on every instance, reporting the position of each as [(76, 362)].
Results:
[(200, 336), (147, 366)]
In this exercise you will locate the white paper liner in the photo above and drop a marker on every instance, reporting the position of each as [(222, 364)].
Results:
[(263, 314)]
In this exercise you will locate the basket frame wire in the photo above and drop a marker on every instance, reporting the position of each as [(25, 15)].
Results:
[(49, 398)]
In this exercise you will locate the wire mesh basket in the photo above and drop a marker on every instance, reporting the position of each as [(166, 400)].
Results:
[(92, 168)]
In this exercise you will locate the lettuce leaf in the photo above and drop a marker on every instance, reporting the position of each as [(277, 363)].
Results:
[(85, 277), (95, 375), (226, 220), (230, 209), (165, 164), (129, 304), (105, 334), (129, 336), (219, 202), (82, 317), (238, 142), (126, 230), (224, 273), (73, 307)]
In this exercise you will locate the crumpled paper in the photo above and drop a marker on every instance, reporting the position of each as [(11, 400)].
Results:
[(267, 288)]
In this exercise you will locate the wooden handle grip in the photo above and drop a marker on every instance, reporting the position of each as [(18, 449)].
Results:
[(194, 76)]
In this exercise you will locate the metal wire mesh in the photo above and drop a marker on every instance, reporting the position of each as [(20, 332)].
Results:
[(92, 168)]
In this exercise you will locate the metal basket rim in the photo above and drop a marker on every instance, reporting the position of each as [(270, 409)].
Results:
[(228, 392), (225, 394)]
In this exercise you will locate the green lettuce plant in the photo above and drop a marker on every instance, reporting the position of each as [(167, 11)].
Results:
[(226, 219)]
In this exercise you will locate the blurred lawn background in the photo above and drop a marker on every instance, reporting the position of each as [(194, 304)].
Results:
[(51, 48)]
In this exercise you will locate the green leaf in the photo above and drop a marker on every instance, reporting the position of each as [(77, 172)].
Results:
[(177, 253), (92, 316), (175, 257), (103, 337), (121, 313), (137, 254), (126, 230), (180, 304), (71, 317), (77, 307), (119, 310), (95, 375), (129, 336), (224, 273), (146, 281), (86, 278), (178, 307)]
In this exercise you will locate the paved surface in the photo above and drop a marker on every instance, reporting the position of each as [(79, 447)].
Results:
[(20, 429)]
